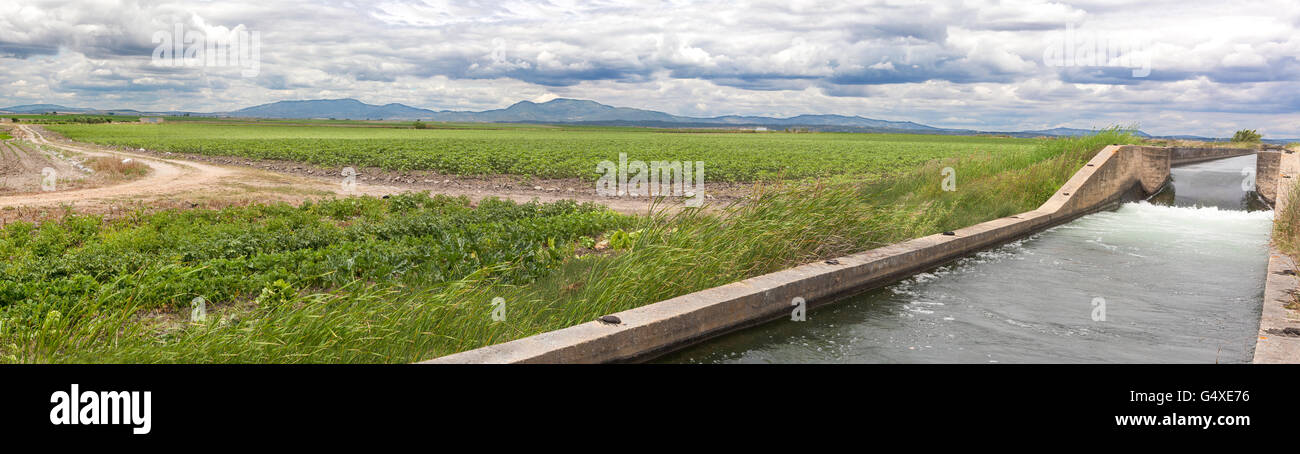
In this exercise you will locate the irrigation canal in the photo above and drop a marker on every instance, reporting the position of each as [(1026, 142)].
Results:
[(1180, 277)]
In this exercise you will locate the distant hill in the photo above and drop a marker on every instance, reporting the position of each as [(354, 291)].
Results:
[(42, 108), (561, 110), (578, 111), (36, 109), (332, 108)]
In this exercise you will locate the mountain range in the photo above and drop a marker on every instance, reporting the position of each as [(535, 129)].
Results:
[(561, 110), (569, 111)]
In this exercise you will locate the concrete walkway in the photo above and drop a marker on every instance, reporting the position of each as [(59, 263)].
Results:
[(1277, 344)]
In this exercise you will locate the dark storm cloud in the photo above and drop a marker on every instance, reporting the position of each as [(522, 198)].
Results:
[(24, 50)]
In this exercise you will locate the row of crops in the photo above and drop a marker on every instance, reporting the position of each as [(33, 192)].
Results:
[(224, 254), (84, 268), (551, 152)]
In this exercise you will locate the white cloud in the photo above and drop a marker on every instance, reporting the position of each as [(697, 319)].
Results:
[(943, 63)]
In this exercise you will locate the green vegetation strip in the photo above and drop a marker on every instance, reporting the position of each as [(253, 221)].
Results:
[(553, 152), (1286, 223), (1286, 232), (67, 288), (353, 281)]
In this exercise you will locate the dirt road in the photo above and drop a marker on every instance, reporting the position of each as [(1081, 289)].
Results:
[(22, 166), (176, 182), (165, 177)]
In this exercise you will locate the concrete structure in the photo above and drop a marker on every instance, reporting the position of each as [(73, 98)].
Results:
[(1267, 166), (1188, 155), (1114, 174), (1276, 343)]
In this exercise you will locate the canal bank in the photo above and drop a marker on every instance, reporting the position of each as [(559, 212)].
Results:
[(1278, 338), (1174, 279), (1113, 175)]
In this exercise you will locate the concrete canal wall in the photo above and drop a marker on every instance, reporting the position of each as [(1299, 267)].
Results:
[(1267, 167), (1188, 155)]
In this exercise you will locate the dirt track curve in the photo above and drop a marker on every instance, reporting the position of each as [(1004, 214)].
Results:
[(177, 180), (165, 177)]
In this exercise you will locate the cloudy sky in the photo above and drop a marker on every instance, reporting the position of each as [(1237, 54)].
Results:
[(983, 64)]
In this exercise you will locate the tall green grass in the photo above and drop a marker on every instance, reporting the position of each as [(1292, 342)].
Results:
[(660, 257), (1286, 224), (60, 282), (1286, 229)]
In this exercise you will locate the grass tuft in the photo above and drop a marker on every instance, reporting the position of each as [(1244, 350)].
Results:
[(116, 167)]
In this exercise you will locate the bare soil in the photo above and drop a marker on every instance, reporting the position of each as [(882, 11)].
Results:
[(22, 165), (191, 181)]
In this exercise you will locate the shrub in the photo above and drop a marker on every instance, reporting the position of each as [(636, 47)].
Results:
[(1246, 135), (116, 167)]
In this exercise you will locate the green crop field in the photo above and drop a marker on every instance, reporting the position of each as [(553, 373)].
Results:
[(60, 283), (551, 152), (414, 277)]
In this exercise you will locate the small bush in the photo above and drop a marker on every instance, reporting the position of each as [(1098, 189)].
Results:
[(1246, 136), (115, 167)]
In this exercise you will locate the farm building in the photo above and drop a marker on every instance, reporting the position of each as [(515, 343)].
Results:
[(151, 120)]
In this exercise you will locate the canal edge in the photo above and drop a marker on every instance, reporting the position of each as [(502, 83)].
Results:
[(1274, 345)]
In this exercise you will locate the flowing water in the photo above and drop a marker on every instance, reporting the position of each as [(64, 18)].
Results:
[(1177, 279)]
